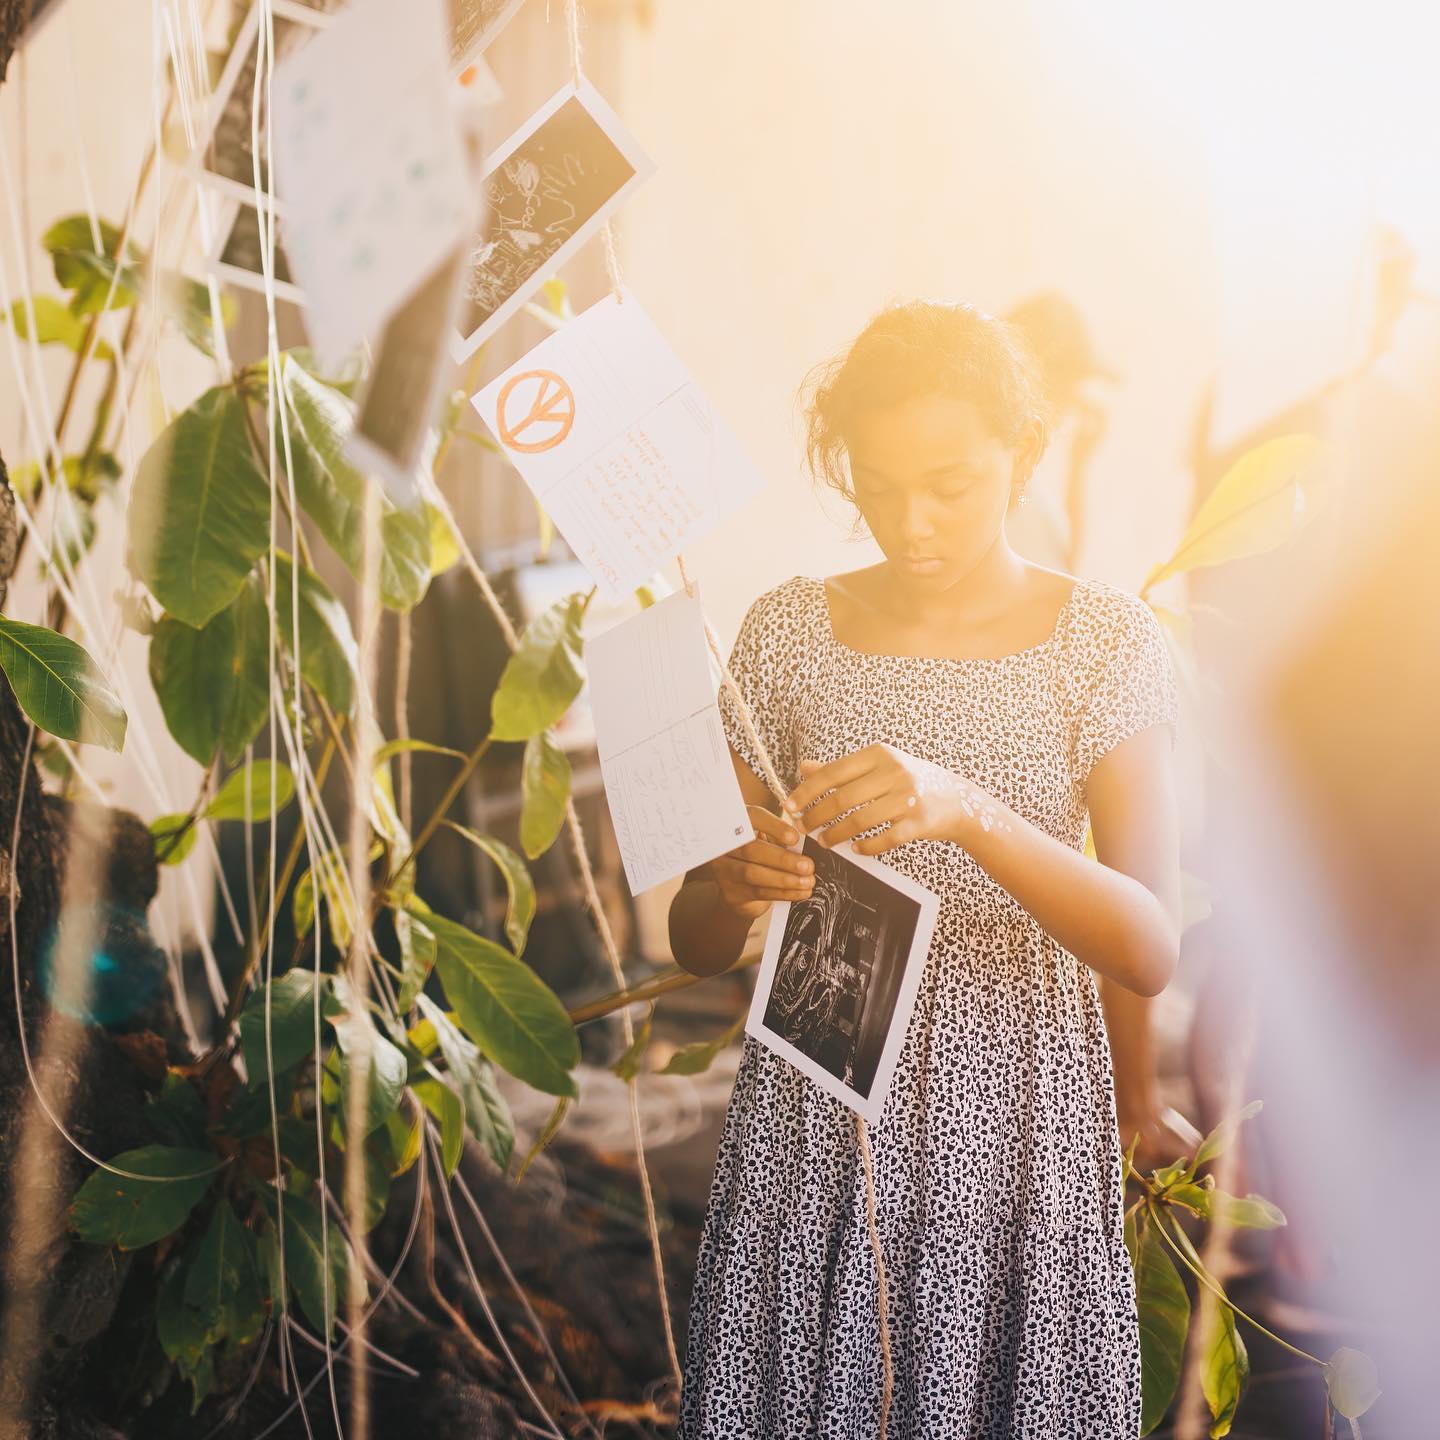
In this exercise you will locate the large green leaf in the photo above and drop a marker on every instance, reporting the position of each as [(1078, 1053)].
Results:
[(470, 1075), (223, 1284), (111, 1209), (231, 802), (543, 676), (319, 1288), (292, 1022), (332, 491), (213, 684), (1164, 1307), (59, 686), (1262, 501), (545, 787), (1224, 1368), (200, 510), (520, 888), (1251, 1212), (505, 1008), (328, 655)]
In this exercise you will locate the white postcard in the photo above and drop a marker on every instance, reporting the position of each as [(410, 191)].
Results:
[(674, 800), (840, 973), (619, 444), (370, 166), (547, 189)]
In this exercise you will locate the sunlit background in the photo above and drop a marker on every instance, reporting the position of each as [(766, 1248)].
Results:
[(1241, 203)]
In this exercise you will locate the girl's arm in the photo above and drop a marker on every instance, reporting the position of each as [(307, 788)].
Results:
[(715, 907), (1120, 917)]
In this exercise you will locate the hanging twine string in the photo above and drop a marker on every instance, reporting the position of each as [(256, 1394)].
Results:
[(577, 76), (862, 1132)]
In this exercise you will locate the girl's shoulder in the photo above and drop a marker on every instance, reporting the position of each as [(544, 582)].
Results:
[(793, 610), (1101, 616)]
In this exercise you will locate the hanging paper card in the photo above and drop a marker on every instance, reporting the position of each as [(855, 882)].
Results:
[(227, 155), (474, 24), (547, 190), (370, 165), (840, 973), (618, 443), (674, 800)]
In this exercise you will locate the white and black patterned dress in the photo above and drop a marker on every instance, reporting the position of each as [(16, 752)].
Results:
[(998, 1169)]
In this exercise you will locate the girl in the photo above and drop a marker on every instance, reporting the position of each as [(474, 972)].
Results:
[(960, 712)]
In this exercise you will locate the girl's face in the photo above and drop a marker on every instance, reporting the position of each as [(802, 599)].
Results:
[(933, 482)]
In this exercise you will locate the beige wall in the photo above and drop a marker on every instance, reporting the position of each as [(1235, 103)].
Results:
[(816, 162)]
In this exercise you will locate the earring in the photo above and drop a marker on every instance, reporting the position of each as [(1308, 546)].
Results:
[(1022, 498)]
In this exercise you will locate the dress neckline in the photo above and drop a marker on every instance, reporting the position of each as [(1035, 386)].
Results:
[(1041, 647)]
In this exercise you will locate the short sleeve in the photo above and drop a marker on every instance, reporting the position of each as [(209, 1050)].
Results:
[(766, 661), (1127, 678)]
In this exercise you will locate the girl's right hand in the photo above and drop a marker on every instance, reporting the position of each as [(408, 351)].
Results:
[(754, 875)]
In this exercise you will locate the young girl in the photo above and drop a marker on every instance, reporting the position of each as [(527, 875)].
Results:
[(959, 712)]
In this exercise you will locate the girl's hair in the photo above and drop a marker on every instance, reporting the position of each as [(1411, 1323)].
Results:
[(922, 347)]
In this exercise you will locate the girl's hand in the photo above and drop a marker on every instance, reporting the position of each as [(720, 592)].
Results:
[(914, 799), (754, 875)]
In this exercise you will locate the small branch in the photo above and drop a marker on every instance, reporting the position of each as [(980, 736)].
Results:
[(671, 978)]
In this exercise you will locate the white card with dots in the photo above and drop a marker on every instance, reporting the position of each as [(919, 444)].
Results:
[(370, 165)]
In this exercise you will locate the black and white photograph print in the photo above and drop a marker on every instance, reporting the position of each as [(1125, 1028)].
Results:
[(548, 188), (840, 972)]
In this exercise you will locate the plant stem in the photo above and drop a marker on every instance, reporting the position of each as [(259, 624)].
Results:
[(671, 978), (436, 817), (1203, 1276)]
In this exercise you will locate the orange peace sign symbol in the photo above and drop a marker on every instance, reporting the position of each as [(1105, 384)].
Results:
[(547, 421)]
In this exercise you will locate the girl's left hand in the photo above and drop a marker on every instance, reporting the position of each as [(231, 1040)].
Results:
[(915, 799)]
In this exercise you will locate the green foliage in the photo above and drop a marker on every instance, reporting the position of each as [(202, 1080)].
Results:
[(329, 657), (87, 269), (1164, 1308), (699, 1057), (506, 1009), (317, 1285), (200, 510), (111, 1209), (333, 492), (236, 798), (177, 1114), (444, 1104), (213, 683), (543, 676), (222, 1282), (417, 957), (59, 686), (55, 324), (520, 888), (545, 789), (1256, 506), (1224, 1368), (470, 1076), (292, 1022), (387, 1069)]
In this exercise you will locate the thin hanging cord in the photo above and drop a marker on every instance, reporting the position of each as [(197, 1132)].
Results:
[(862, 1133), (577, 78)]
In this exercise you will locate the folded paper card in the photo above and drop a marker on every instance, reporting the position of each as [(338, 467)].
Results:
[(618, 442), (674, 800)]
